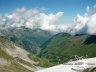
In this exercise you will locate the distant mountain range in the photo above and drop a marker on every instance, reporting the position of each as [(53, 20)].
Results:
[(29, 39), (38, 48)]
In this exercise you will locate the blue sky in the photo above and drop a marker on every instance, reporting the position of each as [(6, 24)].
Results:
[(70, 7)]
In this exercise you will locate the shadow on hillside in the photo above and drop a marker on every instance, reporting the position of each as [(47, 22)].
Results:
[(90, 40)]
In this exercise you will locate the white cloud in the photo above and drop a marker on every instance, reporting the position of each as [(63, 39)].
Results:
[(33, 18), (36, 18), (92, 24), (79, 24), (86, 23)]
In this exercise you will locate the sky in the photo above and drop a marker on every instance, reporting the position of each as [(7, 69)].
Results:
[(71, 16), (69, 7)]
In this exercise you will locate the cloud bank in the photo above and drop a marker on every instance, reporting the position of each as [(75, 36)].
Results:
[(36, 18), (32, 18), (85, 24)]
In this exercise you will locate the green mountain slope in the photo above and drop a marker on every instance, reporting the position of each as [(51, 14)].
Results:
[(62, 46)]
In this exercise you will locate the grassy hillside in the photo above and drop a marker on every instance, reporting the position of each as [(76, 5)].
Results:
[(14, 68), (42, 62), (62, 46), (5, 43), (7, 63)]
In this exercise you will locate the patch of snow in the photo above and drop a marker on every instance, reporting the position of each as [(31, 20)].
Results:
[(58, 68), (74, 66)]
